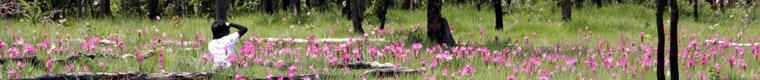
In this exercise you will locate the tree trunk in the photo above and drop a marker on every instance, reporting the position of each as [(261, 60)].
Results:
[(221, 10), (598, 3), (480, 2), (178, 7), (498, 14), (382, 9), (80, 8), (695, 5), (105, 7), (268, 6), (673, 39), (578, 3), (357, 15), (154, 13), (660, 40), (722, 5), (566, 10), (438, 27)]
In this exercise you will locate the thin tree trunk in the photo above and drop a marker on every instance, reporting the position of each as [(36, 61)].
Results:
[(357, 15), (695, 5), (566, 10), (221, 10), (660, 40), (80, 8), (178, 8), (674, 39), (105, 8), (598, 3), (382, 10), (153, 10), (498, 14)]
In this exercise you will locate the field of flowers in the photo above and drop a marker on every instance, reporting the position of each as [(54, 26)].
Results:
[(615, 43)]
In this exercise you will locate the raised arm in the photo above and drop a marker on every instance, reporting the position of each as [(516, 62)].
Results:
[(241, 28)]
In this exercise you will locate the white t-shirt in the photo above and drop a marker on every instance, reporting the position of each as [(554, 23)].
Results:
[(223, 47)]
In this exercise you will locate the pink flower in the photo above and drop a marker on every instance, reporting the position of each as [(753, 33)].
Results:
[(207, 57), (12, 73), (29, 48), (199, 38), (466, 70), (14, 52), (444, 56), (239, 76), (345, 57), (291, 71), (269, 75), (430, 78), (101, 64), (433, 64), (69, 67), (417, 46), (306, 78), (138, 56), (20, 64), (482, 32), (49, 65), (312, 38)]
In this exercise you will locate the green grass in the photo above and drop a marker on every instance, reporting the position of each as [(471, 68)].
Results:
[(541, 18)]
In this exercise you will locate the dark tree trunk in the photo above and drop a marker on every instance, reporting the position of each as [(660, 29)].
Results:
[(438, 27), (268, 6), (578, 3), (598, 3), (660, 40), (695, 5), (480, 2), (129, 6), (285, 4), (674, 15), (713, 5), (221, 10), (566, 10), (80, 8), (747, 3), (382, 9), (722, 5), (105, 7), (498, 14), (410, 4), (153, 10), (345, 4), (357, 15), (295, 6), (620, 1), (179, 8)]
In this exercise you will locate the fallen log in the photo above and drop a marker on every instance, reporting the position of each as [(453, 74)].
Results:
[(33, 59), (163, 76), (388, 72), (298, 77), (366, 65), (325, 40), (122, 75), (730, 43)]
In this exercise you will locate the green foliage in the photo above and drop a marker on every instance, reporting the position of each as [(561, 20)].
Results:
[(34, 12)]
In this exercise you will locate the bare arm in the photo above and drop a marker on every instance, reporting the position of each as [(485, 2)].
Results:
[(241, 29)]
